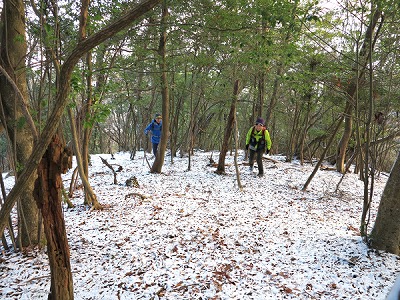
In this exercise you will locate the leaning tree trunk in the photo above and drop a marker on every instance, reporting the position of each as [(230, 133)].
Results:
[(56, 160), (386, 232), (90, 196), (14, 98), (228, 131)]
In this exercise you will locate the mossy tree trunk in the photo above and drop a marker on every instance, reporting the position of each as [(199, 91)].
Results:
[(14, 102)]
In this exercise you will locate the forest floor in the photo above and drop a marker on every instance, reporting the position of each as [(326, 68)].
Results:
[(195, 235)]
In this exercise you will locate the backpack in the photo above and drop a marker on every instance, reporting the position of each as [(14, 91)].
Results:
[(152, 126), (260, 144)]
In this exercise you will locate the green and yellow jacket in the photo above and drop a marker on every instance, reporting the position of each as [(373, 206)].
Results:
[(258, 140)]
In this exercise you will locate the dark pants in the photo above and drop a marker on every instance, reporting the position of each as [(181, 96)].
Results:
[(259, 155), (155, 146)]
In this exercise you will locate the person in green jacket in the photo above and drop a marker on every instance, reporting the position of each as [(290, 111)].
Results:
[(258, 141)]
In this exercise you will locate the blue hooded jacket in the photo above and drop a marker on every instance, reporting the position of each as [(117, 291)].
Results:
[(156, 130)]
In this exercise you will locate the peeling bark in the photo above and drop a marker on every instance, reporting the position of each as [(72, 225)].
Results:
[(48, 195)]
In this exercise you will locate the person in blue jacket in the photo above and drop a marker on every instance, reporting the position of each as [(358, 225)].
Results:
[(155, 127)]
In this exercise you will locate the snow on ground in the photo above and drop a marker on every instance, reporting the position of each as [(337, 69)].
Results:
[(195, 235)]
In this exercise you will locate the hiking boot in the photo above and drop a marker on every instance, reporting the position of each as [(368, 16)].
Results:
[(260, 175)]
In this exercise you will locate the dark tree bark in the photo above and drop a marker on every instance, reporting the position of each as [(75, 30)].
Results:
[(228, 131), (159, 161), (48, 196), (386, 232)]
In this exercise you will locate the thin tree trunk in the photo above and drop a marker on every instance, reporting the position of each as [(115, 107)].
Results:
[(367, 192), (236, 153), (261, 93), (175, 124), (191, 126), (10, 228), (294, 133), (90, 196), (86, 109), (323, 155), (159, 161), (344, 141), (87, 130), (228, 131)]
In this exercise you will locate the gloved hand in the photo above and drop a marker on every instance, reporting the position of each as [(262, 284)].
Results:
[(267, 151), (247, 147)]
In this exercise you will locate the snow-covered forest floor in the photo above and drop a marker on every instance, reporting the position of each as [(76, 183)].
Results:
[(194, 235)]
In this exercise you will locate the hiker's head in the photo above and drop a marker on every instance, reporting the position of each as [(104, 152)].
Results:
[(158, 117), (260, 122)]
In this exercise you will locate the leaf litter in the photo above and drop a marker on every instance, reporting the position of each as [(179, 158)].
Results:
[(195, 235)]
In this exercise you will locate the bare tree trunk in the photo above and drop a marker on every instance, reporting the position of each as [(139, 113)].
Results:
[(261, 93), (159, 161), (191, 126), (87, 130), (175, 124), (90, 196), (344, 141), (386, 232), (294, 133), (236, 153), (48, 196), (368, 190), (228, 131)]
